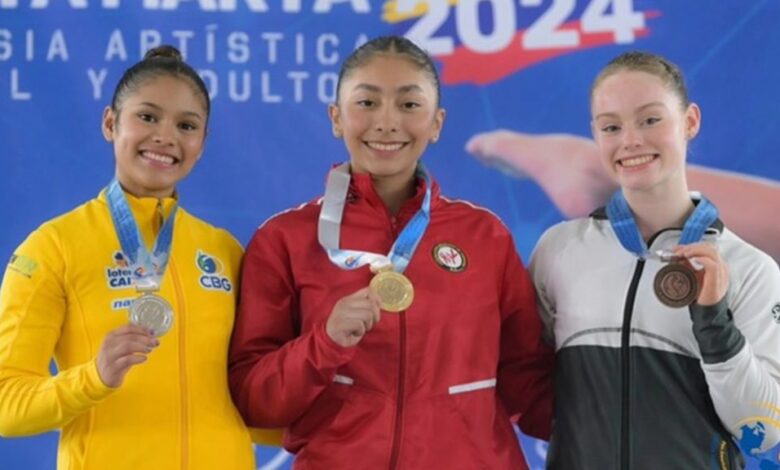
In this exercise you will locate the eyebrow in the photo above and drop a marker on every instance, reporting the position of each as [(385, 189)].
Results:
[(641, 108), (401, 89), (159, 108)]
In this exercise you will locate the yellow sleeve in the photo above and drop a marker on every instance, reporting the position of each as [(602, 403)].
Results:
[(33, 305)]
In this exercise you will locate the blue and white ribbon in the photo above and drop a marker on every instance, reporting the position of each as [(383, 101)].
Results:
[(148, 267), (329, 226), (622, 220)]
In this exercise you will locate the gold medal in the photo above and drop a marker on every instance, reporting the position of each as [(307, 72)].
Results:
[(395, 291), (676, 285)]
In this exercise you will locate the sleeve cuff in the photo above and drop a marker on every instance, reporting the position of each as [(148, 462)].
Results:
[(718, 337), (94, 388)]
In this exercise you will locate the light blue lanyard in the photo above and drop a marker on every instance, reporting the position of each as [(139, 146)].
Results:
[(332, 211), (148, 268), (624, 225)]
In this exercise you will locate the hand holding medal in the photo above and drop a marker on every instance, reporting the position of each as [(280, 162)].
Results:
[(123, 348), (712, 276), (353, 316)]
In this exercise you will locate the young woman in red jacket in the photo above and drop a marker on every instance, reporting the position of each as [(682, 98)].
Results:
[(384, 325)]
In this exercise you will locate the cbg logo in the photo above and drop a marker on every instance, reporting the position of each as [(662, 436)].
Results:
[(211, 267)]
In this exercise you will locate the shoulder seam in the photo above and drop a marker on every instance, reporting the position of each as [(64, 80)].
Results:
[(291, 209)]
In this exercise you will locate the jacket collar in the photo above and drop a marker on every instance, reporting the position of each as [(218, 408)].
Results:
[(361, 189)]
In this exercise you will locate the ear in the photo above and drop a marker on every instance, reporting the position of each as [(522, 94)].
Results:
[(692, 121), (334, 112), (108, 125), (438, 123)]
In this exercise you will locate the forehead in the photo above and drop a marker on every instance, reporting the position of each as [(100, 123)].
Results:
[(628, 89), (171, 90), (389, 71)]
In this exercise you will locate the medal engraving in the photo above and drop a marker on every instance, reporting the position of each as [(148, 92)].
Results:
[(676, 285), (395, 291), (153, 312)]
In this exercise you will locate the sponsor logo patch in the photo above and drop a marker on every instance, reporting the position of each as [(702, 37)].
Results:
[(450, 257), (121, 304), (213, 277), (118, 274), (23, 265), (776, 312)]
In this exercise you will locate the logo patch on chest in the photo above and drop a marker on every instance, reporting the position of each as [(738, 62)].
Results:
[(212, 269), (776, 312), (450, 257), (118, 273)]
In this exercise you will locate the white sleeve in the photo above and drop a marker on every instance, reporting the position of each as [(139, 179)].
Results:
[(744, 381)]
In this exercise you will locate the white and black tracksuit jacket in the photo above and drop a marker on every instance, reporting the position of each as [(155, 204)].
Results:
[(643, 386)]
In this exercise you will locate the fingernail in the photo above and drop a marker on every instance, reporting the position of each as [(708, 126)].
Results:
[(696, 265)]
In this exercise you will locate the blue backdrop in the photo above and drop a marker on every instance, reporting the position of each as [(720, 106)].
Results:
[(271, 66)]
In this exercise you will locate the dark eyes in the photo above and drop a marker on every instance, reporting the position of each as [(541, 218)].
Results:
[(151, 118), (408, 105)]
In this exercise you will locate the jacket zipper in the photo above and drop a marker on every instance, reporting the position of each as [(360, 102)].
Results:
[(625, 364), (185, 396), (399, 407)]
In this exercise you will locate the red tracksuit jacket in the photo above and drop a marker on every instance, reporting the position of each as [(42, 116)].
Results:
[(428, 388)]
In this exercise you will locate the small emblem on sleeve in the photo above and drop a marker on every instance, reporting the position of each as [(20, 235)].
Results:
[(23, 265), (776, 312), (450, 257)]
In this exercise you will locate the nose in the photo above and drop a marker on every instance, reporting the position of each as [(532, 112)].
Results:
[(387, 120), (164, 134), (632, 138)]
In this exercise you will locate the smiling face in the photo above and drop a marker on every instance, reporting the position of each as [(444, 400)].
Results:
[(387, 114), (642, 130), (158, 135)]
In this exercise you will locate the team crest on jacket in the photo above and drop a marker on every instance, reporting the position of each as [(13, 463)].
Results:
[(213, 277), (450, 257), (118, 274)]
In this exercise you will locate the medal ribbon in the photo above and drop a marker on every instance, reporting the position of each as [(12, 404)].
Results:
[(624, 225), (332, 211), (148, 268)]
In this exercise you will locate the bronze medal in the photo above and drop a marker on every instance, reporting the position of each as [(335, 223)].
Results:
[(676, 285), (395, 290)]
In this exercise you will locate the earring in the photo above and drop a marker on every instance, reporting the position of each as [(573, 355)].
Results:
[(435, 139), (336, 132)]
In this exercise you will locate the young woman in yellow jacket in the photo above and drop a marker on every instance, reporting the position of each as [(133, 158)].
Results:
[(133, 297)]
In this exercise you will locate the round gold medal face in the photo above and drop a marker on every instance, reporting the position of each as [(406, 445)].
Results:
[(676, 285), (395, 291), (153, 312)]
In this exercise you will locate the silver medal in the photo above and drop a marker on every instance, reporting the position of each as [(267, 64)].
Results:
[(153, 312)]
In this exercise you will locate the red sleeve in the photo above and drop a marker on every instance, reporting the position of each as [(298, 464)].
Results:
[(525, 374), (275, 372)]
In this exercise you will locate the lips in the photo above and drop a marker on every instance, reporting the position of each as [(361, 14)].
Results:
[(635, 161), (160, 158), (386, 146)]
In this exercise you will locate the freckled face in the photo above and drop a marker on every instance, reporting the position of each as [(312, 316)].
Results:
[(642, 130)]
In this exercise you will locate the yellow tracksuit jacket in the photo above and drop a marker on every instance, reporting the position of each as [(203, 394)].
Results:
[(65, 287)]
